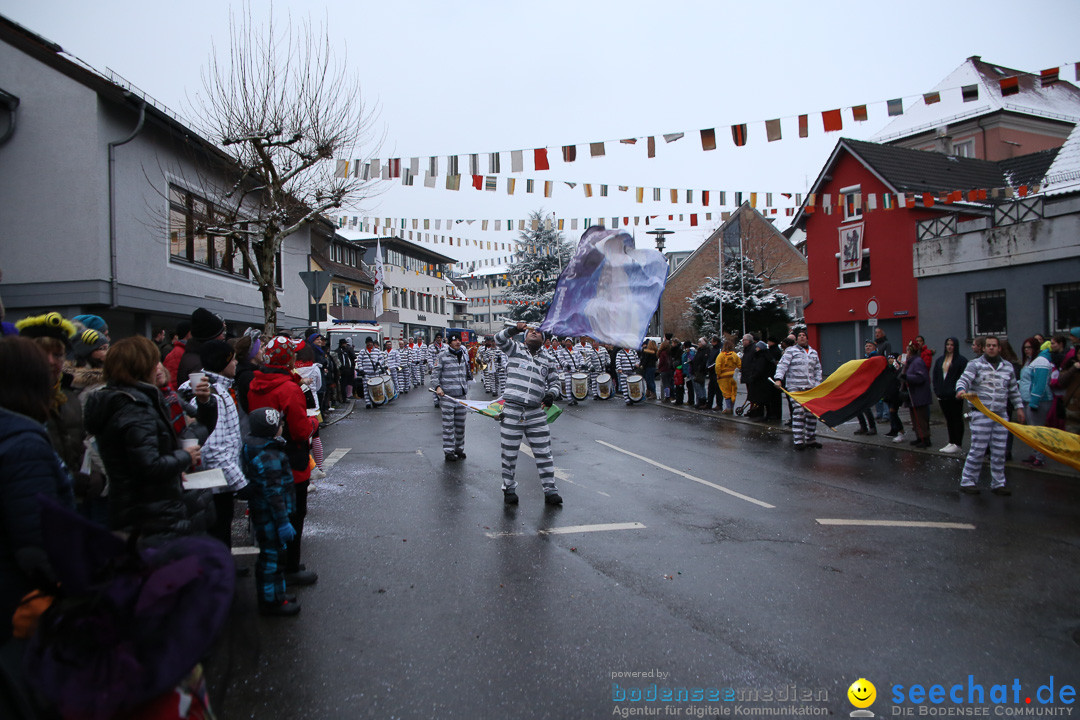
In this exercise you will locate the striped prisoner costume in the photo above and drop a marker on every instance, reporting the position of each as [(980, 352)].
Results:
[(417, 357), (529, 378), (590, 362), (995, 386), (800, 369), (393, 364), (569, 361), (625, 362), (433, 352), (368, 365), (492, 359), (452, 374)]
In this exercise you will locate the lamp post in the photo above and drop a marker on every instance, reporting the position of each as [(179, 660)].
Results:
[(660, 234)]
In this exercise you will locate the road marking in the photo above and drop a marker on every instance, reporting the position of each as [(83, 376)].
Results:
[(688, 476), (245, 550), (560, 474), (333, 458), (897, 523), (571, 529)]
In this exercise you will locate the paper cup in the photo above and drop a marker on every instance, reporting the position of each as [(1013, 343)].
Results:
[(186, 443), (195, 378)]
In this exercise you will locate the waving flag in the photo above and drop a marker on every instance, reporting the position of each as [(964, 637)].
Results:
[(1057, 444), (853, 387), (608, 291), (379, 276)]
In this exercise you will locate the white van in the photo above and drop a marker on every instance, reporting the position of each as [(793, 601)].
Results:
[(356, 333)]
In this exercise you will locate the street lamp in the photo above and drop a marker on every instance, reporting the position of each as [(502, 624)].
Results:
[(660, 234)]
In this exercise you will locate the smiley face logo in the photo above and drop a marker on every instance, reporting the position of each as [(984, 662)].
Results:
[(862, 693)]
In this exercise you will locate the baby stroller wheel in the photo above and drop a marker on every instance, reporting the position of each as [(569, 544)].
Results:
[(739, 410)]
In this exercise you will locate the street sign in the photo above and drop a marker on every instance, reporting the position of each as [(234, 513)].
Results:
[(316, 282), (872, 308), (872, 322)]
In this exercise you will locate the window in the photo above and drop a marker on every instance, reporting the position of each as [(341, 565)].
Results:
[(856, 278), (1063, 305), (404, 298), (852, 197), (964, 149), (412, 300), (394, 298), (189, 242), (442, 306), (795, 307), (986, 313), (428, 303)]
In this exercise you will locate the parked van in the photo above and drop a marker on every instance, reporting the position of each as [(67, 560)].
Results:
[(356, 333)]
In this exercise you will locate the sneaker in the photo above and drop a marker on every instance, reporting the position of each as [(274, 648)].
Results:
[(460, 454), (510, 496), (450, 457), (301, 578), (950, 448), (899, 438), (1004, 491), (318, 474), (969, 489), (285, 608), (552, 498)]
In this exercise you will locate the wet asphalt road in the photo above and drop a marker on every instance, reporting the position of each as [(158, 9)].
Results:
[(437, 601)]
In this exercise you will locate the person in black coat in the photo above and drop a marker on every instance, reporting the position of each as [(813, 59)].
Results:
[(140, 448), (947, 370), (761, 390)]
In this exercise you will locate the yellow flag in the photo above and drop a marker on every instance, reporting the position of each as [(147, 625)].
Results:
[(1057, 444)]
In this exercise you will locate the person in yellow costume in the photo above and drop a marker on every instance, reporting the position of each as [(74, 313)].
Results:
[(726, 363)]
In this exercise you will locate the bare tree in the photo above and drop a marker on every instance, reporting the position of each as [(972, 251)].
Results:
[(287, 113)]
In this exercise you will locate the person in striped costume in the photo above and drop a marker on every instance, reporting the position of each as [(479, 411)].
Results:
[(626, 363), (393, 364), (500, 375), (417, 358), (489, 356), (532, 386), (590, 362), (404, 367), (800, 369), (993, 379), (452, 376), (569, 361), (434, 350), (368, 363)]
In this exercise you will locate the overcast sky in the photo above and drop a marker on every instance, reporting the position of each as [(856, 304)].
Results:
[(477, 77)]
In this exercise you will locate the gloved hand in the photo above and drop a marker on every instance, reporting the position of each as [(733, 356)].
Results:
[(286, 533), (547, 401)]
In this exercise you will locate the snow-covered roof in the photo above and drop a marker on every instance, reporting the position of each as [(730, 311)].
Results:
[(1064, 173), (1060, 101), (485, 271)]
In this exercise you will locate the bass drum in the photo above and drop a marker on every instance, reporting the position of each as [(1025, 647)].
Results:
[(635, 388), (388, 387), (579, 385), (603, 386), (377, 390)]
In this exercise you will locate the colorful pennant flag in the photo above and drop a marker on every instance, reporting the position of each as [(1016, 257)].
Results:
[(738, 134), (596, 149), (1009, 85), (540, 159), (569, 153), (772, 130), (832, 121), (804, 126), (970, 93), (708, 139), (931, 97), (896, 107)]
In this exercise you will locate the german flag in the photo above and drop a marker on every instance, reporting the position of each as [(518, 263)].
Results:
[(1057, 444), (855, 386)]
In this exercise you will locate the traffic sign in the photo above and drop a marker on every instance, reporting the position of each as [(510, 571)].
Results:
[(316, 282)]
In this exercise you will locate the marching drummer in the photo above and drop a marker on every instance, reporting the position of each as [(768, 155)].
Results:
[(626, 363), (489, 357), (569, 362), (590, 362), (368, 363)]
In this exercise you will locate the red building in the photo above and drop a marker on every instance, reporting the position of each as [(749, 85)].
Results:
[(859, 250)]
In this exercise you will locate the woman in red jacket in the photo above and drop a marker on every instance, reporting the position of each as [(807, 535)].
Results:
[(275, 385)]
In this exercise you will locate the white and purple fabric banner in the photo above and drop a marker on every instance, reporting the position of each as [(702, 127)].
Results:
[(609, 290)]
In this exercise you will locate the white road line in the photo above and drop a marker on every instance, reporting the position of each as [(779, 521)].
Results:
[(688, 476), (571, 529), (560, 474), (333, 458), (245, 550), (897, 523)]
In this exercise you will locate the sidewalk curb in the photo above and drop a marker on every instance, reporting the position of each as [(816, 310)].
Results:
[(341, 415)]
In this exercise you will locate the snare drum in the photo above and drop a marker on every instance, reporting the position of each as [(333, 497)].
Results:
[(388, 387), (635, 388), (579, 385), (603, 386), (377, 390)]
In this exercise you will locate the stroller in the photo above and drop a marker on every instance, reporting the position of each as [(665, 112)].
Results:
[(747, 407)]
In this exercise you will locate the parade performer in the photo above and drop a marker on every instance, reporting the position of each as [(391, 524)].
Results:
[(569, 363), (993, 380), (452, 376), (726, 364), (417, 360), (404, 365), (800, 369), (393, 364), (532, 386), (590, 361), (489, 356), (626, 363), (500, 375), (369, 362), (434, 350)]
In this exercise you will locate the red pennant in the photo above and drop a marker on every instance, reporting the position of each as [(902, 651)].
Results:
[(1009, 85), (540, 159), (738, 134), (832, 120), (478, 182), (804, 126), (928, 199)]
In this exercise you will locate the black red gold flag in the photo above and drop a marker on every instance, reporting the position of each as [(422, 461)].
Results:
[(853, 387)]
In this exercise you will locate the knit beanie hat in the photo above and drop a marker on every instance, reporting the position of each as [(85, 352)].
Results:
[(87, 342), (93, 322), (280, 351), (205, 325), (264, 422), (216, 355)]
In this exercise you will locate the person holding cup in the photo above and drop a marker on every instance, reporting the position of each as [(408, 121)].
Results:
[(140, 448)]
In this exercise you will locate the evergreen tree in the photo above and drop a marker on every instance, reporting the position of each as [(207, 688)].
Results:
[(741, 290), (539, 256)]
